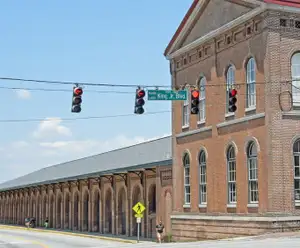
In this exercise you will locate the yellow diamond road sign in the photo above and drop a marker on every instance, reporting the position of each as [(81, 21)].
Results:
[(139, 208)]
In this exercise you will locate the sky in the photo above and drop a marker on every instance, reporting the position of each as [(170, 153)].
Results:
[(115, 42)]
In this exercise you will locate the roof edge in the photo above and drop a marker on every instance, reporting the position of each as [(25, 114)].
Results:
[(181, 25), (162, 163)]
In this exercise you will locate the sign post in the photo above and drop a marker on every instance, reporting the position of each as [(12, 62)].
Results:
[(138, 208)]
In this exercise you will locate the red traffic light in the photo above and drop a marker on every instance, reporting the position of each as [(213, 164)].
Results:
[(233, 92), (141, 93), (78, 91), (195, 93)]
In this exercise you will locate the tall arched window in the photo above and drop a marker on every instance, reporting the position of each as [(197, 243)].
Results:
[(230, 80), (187, 183), (202, 105), (251, 80), (252, 173), (295, 69), (202, 178), (296, 152), (186, 112), (231, 175)]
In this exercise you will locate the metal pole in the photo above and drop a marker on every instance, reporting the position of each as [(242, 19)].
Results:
[(138, 232)]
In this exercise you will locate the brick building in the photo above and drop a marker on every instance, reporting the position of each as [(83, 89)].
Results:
[(237, 173), (96, 193)]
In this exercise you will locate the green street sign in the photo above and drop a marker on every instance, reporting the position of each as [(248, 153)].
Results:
[(167, 95)]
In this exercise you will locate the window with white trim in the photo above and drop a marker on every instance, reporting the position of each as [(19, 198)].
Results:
[(202, 105), (230, 80), (251, 82), (295, 69), (186, 112), (252, 173), (202, 178), (231, 175), (296, 153), (187, 182)]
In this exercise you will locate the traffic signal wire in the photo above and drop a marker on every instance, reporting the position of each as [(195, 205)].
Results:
[(81, 83), (81, 118), (131, 85), (66, 90)]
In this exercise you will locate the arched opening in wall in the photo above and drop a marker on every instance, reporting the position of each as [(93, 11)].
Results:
[(86, 211), (108, 212), (136, 197), (51, 212), (122, 212), (152, 211), (67, 211), (44, 209), (58, 212), (38, 200), (168, 211), (31, 207), (26, 208), (76, 202), (96, 223)]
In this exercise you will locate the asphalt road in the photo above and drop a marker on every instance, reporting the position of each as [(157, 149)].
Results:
[(25, 238)]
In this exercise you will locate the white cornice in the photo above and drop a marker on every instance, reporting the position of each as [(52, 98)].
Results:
[(228, 26), (187, 24), (277, 7)]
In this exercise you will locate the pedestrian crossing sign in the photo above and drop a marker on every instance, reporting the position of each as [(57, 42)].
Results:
[(139, 208), (138, 215)]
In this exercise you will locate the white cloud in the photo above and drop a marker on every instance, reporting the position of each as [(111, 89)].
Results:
[(23, 94), (52, 143), (51, 127)]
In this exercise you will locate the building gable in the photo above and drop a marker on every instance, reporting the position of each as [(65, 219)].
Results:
[(214, 14), (209, 16)]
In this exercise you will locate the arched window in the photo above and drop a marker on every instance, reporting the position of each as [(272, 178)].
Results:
[(186, 112), (251, 80), (187, 183), (202, 105), (252, 173), (202, 178), (230, 80), (296, 152), (231, 175), (295, 69)]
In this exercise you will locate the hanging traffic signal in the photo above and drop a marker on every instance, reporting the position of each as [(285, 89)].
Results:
[(232, 100), (139, 101), (195, 102), (76, 100)]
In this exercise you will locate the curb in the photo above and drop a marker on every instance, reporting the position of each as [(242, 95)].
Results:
[(70, 234)]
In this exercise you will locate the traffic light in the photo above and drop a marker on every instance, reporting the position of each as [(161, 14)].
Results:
[(195, 102), (232, 100), (139, 101), (76, 100)]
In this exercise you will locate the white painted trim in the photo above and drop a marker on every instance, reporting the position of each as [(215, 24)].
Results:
[(278, 7), (187, 205), (191, 18), (291, 113), (252, 205), (195, 131), (234, 218), (241, 120), (187, 25), (228, 26)]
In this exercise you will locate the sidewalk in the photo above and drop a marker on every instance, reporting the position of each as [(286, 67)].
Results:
[(119, 238)]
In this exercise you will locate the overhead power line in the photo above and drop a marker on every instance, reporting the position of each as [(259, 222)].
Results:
[(80, 83), (65, 90), (131, 85), (81, 118)]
